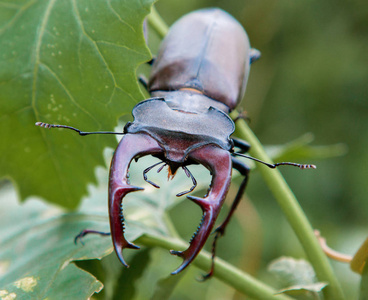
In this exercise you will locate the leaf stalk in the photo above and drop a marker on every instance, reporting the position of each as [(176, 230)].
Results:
[(293, 213)]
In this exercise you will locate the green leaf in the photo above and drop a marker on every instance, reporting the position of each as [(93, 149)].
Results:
[(156, 282), (300, 148), (364, 283), (292, 271), (305, 289), (360, 258), (165, 287), (37, 248), (69, 62), (298, 276)]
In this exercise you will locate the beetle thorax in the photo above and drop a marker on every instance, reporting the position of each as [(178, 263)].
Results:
[(179, 131)]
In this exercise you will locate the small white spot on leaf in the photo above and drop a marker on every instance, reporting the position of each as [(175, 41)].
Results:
[(4, 294), (26, 284)]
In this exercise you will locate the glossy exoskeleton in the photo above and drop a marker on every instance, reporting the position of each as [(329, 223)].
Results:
[(198, 77)]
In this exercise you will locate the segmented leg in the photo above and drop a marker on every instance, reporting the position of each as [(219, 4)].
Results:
[(220, 231), (242, 145), (143, 80), (254, 55), (218, 161), (189, 174), (152, 61), (242, 115), (160, 168), (130, 147), (83, 233), (149, 169)]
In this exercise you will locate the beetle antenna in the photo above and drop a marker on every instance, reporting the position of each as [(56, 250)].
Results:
[(273, 166), (47, 125)]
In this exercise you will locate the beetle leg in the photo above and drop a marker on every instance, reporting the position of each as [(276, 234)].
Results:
[(255, 54), (151, 61), (194, 181), (143, 81), (131, 146), (242, 115), (83, 233), (242, 145), (218, 161), (149, 169), (220, 231), (160, 168)]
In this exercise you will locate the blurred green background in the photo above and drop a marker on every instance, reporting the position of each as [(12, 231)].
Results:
[(312, 77)]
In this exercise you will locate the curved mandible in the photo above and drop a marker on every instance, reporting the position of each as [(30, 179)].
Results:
[(131, 146), (218, 161)]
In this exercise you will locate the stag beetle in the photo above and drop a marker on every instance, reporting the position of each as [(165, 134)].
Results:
[(197, 79)]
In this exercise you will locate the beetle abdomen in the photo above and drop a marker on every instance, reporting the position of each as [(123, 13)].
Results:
[(207, 50)]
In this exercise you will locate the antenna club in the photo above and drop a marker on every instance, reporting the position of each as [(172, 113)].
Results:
[(42, 124), (308, 167)]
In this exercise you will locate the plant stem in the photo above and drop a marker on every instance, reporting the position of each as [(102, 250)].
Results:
[(157, 23), (170, 226), (294, 214), (227, 273)]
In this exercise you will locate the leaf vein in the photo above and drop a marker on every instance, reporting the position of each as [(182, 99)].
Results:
[(38, 44), (16, 16), (59, 81), (79, 20), (119, 46), (118, 16)]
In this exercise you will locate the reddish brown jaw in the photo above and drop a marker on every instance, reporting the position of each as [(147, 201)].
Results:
[(131, 146), (218, 161)]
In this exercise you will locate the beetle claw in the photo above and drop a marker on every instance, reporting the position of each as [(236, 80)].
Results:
[(206, 276), (218, 161), (130, 147)]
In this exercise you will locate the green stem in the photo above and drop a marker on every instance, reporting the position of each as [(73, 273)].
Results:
[(157, 23), (294, 214), (170, 226), (227, 273)]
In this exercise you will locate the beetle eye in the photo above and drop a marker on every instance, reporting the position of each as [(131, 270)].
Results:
[(127, 125)]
